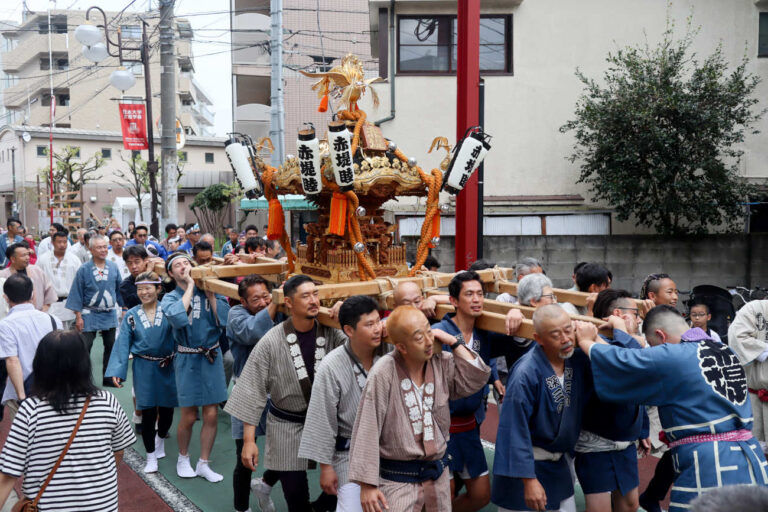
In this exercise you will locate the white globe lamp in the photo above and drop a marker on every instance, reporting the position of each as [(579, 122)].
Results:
[(122, 79), (88, 34), (95, 53)]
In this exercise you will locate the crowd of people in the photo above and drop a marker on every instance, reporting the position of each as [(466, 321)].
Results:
[(392, 423)]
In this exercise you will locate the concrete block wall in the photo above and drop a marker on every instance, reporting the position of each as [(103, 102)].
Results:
[(721, 260)]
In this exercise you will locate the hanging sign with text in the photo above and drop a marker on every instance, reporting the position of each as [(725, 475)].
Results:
[(133, 120)]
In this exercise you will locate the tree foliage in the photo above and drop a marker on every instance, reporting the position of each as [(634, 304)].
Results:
[(70, 172), (211, 206), (658, 138)]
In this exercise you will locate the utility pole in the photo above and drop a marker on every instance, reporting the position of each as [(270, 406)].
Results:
[(277, 126), (154, 228), (15, 209), (168, 112)]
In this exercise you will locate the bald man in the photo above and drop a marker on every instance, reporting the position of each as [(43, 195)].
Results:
[(700, 389), (398, 453), (541, 419), (409, 294)]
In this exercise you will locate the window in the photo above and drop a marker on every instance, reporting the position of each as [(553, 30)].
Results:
[(182, 156), (209, 158), (130, 31), (762, 38), (428, 44), (106, 153), (60, 64), (62, 98), (58, 25), (42, 151)]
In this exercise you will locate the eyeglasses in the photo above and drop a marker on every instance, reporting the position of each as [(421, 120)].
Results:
[(698, 315), (193, 233)]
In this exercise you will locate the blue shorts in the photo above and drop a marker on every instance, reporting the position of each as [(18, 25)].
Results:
[(467, 453), (608, 471)]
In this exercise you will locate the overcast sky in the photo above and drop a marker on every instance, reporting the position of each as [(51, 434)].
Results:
[(212, 63)]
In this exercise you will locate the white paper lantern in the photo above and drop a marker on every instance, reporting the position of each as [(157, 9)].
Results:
[(308, 149), (467, 157), (340, 143), (237, 154), (88, 34)]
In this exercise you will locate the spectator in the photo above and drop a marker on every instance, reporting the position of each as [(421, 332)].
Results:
[(252, 231), (11, 236), (141, 237), (44, 293), (193, 236), (230, 244), (60, 265), (46, 244), (115, 254), (30, 243), (700, 317), (131, 229), (20, 332), (170, 232), (86, 480)]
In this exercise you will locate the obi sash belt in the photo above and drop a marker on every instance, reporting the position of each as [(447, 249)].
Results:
[(412, 471), (163, 361), (209, 353)]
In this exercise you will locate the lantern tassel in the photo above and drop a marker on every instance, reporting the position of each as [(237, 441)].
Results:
[(276, 223), (338, 220), (323, 104)]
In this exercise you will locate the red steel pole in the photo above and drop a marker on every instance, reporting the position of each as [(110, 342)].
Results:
[(467, 106)]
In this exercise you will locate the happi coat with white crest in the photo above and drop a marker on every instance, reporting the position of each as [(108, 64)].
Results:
[(276, 369), (539, 425), (391, 424), (336, 392), (95, 293), (700, 389)]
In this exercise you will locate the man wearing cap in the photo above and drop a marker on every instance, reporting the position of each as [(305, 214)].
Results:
[(141, 237)]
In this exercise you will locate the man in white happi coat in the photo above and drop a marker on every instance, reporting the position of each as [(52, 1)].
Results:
[(60, 265)]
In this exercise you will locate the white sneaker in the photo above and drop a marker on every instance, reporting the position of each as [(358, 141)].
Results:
[(151, 465), (159, 447), (184, 468), (136, 418), (205, 471), (262, 490)]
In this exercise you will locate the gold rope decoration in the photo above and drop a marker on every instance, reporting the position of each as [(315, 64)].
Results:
[(433, 183), (270, 193)]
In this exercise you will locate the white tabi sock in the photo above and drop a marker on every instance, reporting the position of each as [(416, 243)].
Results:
[(184, 468), (151, 465), (159, 447), (205, 471)]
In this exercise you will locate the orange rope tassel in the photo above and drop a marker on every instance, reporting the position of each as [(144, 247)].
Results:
[(338, 219), (323, 104), (276, 220), (435, 229)]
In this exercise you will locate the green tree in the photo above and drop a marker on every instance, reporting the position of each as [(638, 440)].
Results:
[(70, 172), (211, 206), (657, 138)]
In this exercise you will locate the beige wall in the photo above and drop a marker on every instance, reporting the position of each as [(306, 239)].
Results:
[(524, 111)]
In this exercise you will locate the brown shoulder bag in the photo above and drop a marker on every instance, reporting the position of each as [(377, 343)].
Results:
[(27, 505)]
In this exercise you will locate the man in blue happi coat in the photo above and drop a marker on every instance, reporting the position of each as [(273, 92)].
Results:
[(541, 419), (700, 389), (464, 446), (606, 452)]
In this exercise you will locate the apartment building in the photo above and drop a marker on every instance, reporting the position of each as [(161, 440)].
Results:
[(85, 100), (529, 52)]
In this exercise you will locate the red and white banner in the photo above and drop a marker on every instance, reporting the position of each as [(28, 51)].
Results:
[(133, 119)]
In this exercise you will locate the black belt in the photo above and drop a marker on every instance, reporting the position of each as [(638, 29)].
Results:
[(209, 353), (61, 299), (342, 444), (293, 417), (412, 471), (99, 310), (163, 361)]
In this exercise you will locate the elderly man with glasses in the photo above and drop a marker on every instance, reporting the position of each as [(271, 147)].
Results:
[(141, 237), (193, 236)]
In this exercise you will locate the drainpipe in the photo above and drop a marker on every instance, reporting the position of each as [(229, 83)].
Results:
[(392, 43)]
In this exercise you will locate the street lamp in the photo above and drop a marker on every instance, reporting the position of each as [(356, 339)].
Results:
[(95, 50)]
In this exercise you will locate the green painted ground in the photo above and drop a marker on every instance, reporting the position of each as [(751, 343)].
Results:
[(218, 497)]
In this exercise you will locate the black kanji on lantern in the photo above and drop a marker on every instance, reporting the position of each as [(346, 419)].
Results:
[(722, 370), (309, 184), (340, 144), (470, 165), (305, 153), (343, 160), (476, 151), (346, 175), (307, 168)]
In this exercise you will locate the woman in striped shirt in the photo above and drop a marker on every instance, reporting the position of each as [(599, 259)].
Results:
[(87, 477)]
